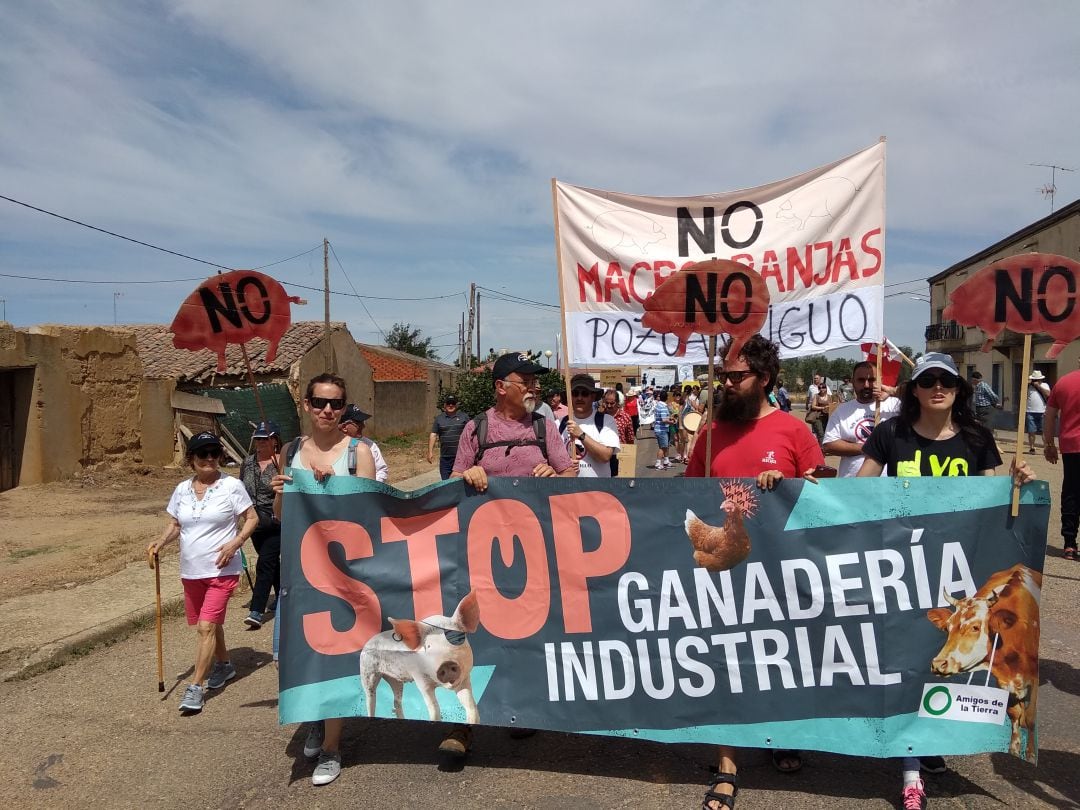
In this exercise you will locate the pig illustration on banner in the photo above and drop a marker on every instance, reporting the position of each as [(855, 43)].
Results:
[(712, 297), (233, 307), (1033, 293), (431, 652)]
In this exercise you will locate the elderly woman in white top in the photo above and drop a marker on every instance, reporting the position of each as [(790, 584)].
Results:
[(204, 512)]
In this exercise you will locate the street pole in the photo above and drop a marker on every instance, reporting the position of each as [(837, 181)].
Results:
[(472, 317), (327, 354)]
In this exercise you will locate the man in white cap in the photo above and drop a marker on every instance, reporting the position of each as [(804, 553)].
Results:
[(1038, 394)]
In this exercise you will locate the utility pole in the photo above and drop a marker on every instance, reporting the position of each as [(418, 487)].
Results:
[(479, 357), (472, 316), (328, 354), (115, 296)]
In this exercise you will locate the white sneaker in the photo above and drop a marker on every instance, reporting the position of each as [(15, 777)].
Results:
[(658, 466), (666, 463), (328, 769)]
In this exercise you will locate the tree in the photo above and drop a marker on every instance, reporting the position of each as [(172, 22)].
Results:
[(405, 339)]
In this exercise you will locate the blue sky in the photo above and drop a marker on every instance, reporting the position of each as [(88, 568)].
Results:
[(420, 139)]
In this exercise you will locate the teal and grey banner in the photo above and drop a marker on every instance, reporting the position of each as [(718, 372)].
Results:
[(882, 617)]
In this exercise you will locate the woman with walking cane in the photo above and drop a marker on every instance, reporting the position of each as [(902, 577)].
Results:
[(257, 473), (204, 511)]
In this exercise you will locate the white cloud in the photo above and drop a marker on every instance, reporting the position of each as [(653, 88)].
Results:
[(420, 137)]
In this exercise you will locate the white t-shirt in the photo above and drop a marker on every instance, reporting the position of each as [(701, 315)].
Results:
[(207, 525), (854, 422), (382, 469), (1036, 403), (608, 436)]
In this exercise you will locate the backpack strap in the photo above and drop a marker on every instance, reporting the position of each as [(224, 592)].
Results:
[(289, 451), (352, 454), (483, 445)]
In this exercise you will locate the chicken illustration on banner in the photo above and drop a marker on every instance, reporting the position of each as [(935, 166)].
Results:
[(714, 297), (1034, 293), (233, 307)]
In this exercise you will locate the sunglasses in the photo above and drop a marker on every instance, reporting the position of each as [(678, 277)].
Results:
[(318, 403), (454, 637), (734, 377), (205, 453), (930, 380), (581, 392)]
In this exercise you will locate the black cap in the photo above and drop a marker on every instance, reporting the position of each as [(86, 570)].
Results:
[(264, 430), (450, 399), (353, 414), (519, 362), (201, 440)]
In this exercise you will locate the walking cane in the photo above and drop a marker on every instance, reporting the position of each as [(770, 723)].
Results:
[(154, 563), (243, 561)]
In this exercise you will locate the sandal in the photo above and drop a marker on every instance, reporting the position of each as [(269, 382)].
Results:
[(786, 761), (1070, 553), (722, 800)]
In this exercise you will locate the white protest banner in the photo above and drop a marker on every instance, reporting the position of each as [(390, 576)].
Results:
[(817, 239)]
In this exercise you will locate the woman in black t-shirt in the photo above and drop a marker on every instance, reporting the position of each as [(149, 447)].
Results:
[(935, 434)]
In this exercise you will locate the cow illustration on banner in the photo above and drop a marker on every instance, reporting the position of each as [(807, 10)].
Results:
[(816, 241), (879, 616)]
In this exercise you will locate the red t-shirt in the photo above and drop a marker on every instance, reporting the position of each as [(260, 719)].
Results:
[(1066, 398), (776, 441)]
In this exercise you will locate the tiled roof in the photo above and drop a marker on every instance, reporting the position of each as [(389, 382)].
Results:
[(391, 364), (162, 360)]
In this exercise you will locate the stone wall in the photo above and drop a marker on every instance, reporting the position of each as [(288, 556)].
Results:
[(83, 406)]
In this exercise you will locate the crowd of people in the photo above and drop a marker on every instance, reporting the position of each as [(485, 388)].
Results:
[(874, 430)]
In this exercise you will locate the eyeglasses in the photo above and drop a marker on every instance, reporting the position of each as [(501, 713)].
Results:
[(526, 384), (318, 403), (734, 377), (211, 452), (930, 380), (581, 392)]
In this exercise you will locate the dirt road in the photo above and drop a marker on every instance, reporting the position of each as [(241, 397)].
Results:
[(65, 533)]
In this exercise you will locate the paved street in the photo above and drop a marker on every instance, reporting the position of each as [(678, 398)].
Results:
[(96, 733)]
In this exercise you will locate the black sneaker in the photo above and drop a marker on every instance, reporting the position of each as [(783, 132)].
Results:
[(254, 620)]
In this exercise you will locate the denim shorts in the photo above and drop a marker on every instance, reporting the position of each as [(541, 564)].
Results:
[(1033, 422), (663, 438)]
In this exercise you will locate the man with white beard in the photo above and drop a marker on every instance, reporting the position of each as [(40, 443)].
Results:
[(508, 440)]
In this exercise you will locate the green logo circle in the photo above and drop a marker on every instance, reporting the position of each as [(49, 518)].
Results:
[(934, 693)]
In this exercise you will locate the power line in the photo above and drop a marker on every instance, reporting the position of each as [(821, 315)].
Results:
[(516, 298), (95, 281), (117, 235), (358, 298)]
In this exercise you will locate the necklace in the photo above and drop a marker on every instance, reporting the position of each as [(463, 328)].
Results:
[(198, 505)]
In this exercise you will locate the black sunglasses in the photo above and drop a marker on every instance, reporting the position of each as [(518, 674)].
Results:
[(208, 452), (454, 637), (318, 403), (735, 377), (930, 380), (581, 392)]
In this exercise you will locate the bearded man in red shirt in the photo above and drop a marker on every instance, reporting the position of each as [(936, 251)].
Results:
[(752, 439)]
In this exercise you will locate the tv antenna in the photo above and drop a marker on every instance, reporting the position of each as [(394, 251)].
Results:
[(1050, 189)]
